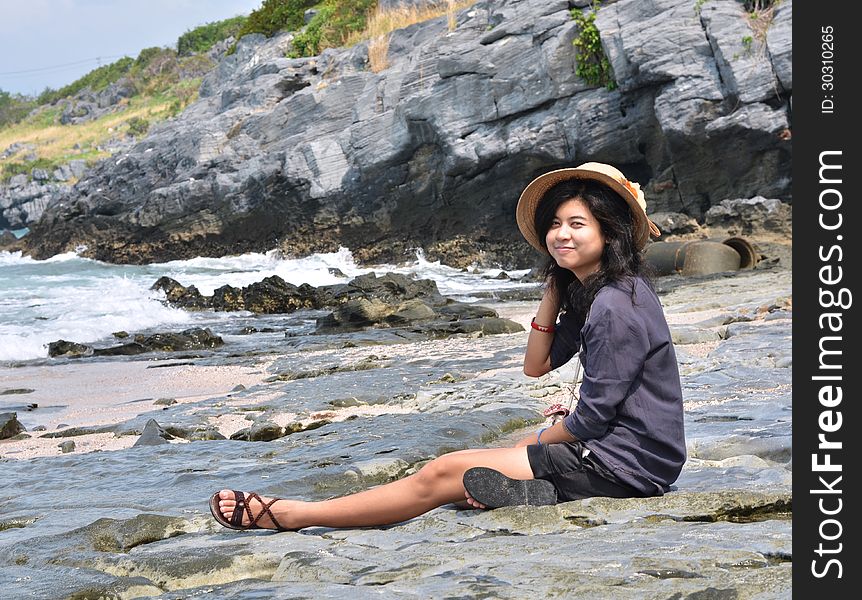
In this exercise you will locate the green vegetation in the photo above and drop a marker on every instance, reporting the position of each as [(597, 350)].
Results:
[(9, 170), (41, 134), (14, 107), (156, 85), (154, 68), (332, 26), (698, 5), (97, 80), (276, 15), (201, 39), (760, 13), (308, 41), (593, 65), (138, 126)]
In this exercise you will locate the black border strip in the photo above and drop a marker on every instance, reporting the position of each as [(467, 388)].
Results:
[(825, 253)]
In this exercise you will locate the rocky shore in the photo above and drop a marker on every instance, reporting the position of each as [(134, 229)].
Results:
[(122, 511), (308, 154)]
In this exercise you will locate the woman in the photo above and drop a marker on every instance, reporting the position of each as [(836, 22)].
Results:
[(625, 437)]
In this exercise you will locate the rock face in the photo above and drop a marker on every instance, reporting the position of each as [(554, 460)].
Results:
[(309, 154)]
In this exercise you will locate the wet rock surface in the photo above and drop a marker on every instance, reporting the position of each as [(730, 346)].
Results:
[(333, 420), (410, 309), (189, 339)]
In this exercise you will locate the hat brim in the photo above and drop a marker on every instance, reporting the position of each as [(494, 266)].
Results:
[(536, 190)]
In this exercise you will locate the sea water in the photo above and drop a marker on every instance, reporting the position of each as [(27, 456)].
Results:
[(68, 297)]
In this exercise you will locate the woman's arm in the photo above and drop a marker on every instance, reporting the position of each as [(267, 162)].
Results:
[(537, 359), (554, 434)]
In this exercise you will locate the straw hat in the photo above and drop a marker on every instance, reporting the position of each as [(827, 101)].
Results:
[(600, 172)]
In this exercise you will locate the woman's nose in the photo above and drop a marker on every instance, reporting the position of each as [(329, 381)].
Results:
[(564, 232)]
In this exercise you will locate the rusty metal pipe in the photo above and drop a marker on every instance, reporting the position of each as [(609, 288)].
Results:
[(704, 257), (665, 258), (748, 256), (700, 257)]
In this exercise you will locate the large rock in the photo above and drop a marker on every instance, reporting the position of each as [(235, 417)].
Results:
[(9, 425), (153, 435), (314, 153)]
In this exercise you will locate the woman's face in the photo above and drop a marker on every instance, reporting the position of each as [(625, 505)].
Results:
[(575, 239)]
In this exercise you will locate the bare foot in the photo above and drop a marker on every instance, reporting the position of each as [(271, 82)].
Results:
[(270, 513), (473, 502)]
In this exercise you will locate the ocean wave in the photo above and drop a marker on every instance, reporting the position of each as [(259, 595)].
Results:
[(83, 300)]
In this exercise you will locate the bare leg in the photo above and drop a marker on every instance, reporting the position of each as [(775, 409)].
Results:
[(437, 483)]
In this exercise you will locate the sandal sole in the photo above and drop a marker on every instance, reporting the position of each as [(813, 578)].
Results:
[(493, 489)]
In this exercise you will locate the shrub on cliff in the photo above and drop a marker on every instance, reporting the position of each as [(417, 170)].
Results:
[(154, 70), (593, 65), (97, 80), (138, 126), (25, 167), (201, 39), (331, 26), (14, 107), (276, 15)]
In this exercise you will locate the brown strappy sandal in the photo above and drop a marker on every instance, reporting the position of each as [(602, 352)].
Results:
[(242, 503)]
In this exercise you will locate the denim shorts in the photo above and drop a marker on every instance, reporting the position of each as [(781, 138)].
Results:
[(575, 472)]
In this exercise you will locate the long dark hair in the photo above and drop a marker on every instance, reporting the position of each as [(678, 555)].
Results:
[(620, 260)]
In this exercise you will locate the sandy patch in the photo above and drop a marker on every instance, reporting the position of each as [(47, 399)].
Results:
[(93, 394), (110, 392), (228, 425), (39, 447), (519, 312), (700, 350), (689, 317)]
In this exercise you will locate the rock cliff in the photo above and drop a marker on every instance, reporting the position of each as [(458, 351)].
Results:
[(310, 154)]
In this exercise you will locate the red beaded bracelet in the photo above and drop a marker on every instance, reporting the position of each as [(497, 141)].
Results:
[(542, 328)]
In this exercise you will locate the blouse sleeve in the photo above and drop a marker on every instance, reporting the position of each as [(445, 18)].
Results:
[(567, 340), (616, 347)]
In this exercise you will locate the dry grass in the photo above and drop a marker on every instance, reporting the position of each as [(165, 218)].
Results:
[(382, 22), (378, 53), (761, 19), (45, 137)]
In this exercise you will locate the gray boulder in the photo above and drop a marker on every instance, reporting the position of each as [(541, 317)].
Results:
[(9, 425), (153, 435)]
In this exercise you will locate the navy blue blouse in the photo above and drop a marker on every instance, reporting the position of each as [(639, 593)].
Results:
[(630, 412)]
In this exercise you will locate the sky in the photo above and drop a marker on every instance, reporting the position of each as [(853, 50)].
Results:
[(51, 43)]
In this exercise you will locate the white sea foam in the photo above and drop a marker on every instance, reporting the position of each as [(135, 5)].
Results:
[(82, 300), (207, 274), (77, 310)]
